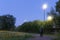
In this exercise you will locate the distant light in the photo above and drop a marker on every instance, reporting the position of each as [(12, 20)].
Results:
[(49, 18), (44, 6)]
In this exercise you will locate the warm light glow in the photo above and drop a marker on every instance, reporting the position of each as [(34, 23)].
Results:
[(44, 6), (49, 18)]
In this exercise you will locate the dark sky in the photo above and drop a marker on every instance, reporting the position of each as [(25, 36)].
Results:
[(25, 10)]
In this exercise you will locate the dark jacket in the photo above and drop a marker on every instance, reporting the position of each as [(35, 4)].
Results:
[(41, 30)]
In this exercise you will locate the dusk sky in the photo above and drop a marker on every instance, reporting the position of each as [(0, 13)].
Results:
[(25, 10)]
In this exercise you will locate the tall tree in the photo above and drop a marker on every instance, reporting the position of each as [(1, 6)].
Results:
[(58, 6), (56, 18), (7, 22), (58, 10)]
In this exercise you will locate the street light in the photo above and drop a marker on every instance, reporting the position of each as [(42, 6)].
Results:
[(50, 18), (44, 7)]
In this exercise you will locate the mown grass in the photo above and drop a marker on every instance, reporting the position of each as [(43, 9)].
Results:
[(58, 37), (8, 35)]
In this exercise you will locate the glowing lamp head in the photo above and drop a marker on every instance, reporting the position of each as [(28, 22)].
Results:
[(49, 18), (44, 6)]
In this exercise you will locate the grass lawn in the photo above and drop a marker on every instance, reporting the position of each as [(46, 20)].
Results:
[(8, 35), (58, 37)]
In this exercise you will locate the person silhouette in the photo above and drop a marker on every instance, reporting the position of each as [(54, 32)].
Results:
[(41, 31)]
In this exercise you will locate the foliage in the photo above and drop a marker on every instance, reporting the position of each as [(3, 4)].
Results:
[(28, 27), (58, 6), (7, 22), (34, 26)]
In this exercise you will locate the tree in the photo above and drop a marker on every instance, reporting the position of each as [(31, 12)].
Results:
[(34, 26), (56, 18), (25, 27), (58, 6), (29, 27), (7, 22)]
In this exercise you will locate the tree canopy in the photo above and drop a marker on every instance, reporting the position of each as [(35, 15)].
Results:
[(7, 22)]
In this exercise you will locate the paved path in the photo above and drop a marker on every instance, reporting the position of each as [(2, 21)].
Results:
[(45, 37)]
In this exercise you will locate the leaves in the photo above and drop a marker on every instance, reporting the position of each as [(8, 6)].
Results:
[(7, 22)]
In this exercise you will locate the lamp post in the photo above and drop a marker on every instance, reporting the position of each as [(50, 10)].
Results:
[(44, 7), (49, 18)]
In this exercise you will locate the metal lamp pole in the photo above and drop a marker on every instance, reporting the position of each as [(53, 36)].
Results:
[(44, 7), (44, 15)]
